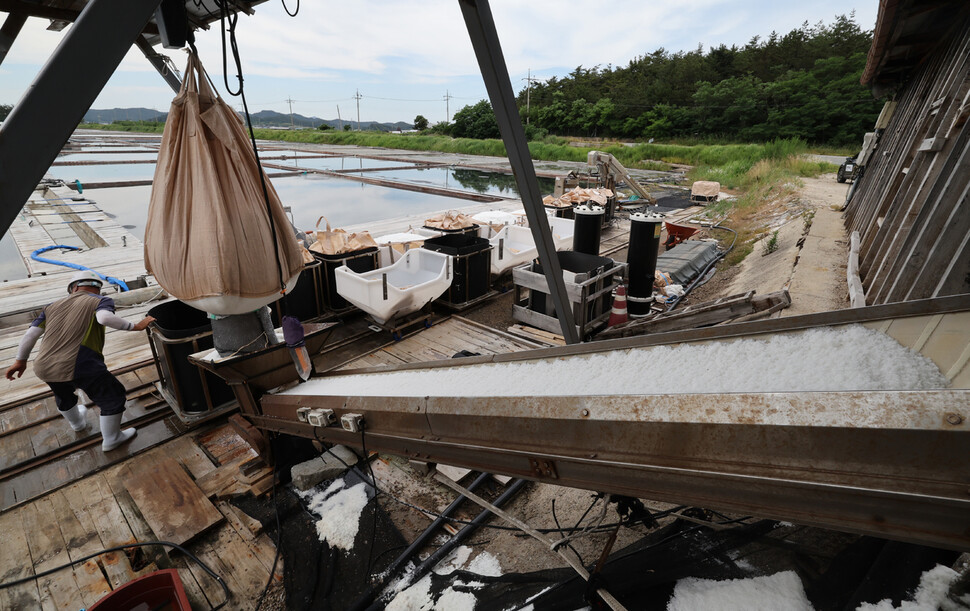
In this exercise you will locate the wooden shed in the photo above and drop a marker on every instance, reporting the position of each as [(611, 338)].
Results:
[(910, 205)]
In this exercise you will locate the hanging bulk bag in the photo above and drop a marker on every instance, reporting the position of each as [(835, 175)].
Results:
[(208, 239)]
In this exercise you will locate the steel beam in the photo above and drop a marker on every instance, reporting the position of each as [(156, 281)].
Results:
[(884, 463), (9, 31), (887, 464), (481, 31), (67, 85), (160, 62)]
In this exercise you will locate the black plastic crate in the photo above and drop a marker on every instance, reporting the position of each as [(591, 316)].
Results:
[(471, 265), (471, 229), (360, 261), (305, 301), (583, 265), (178, 331)]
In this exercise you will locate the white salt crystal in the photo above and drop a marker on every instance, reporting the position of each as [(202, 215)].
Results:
[(779, 592), (828, 359), (485, 564), (452, 600), (930, 595), (339, 509)]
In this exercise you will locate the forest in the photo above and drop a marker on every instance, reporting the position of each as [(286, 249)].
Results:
[(804, 84)]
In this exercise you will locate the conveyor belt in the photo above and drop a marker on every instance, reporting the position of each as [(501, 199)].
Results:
[(886, 463)]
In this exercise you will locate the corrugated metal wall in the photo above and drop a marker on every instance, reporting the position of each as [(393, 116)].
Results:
[(910, 207)]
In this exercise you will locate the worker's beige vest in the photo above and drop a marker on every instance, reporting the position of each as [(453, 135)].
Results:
[(65, 324)]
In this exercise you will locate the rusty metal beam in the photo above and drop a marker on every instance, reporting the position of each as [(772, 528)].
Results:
[(884, 463), (888, 464)]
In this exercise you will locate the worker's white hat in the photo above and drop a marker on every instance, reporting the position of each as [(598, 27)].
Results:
[(84, 278)]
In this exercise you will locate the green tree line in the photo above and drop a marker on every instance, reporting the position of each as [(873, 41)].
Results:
[(803, 84)]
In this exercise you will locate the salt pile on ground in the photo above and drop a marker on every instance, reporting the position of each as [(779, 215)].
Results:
[(929, 596), (418, 596), (339, 509), (846, 358), (779, 592)]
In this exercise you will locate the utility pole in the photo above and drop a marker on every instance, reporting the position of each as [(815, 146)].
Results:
[(340, 122), (528, 95), (447, 99), (291, 112), (357, 97)]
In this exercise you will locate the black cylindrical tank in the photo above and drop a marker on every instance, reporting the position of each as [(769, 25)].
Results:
[(642, 260), (586, 232)]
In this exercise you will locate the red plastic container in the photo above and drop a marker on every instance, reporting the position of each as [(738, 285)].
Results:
[(159, 590)]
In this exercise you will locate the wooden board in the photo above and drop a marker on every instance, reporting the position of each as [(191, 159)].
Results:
[(171, 503)]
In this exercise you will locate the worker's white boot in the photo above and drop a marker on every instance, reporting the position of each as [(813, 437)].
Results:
[(76, 416), (112, 434)]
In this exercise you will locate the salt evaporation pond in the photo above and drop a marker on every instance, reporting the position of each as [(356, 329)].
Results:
[(112, 158), (828, 359), (344, 202), (463, 179), (107, 172), (334, 163)]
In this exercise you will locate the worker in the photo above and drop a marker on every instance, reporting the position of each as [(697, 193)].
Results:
[(71, 356)]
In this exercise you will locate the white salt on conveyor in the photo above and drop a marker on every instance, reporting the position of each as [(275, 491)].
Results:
[(829, 359)]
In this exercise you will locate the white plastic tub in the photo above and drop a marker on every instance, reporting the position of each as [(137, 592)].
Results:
[(519, 246), (392, 246), (510, 247), (417, 278)]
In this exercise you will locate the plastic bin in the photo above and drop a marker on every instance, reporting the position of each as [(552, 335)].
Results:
[(360, 261), (471, 264), (159, 590), (563, 212), (178, 331), (472, 229), (589, 279), (305, 301)]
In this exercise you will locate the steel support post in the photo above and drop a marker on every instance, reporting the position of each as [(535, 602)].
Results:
[(159, 61), (64, 89), (9, 31), (484, 38)]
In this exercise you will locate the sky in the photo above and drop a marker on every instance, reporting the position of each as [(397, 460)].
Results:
[(404, 57)]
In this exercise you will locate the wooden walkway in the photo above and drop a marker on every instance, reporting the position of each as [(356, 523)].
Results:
[(87, 514), (98, 512)]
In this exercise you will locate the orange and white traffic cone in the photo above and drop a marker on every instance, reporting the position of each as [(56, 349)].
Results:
[(618, 313)]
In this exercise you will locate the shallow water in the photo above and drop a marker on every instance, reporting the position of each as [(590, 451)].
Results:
[(107, 172), (344, 202), (337, 163), (108, 157)]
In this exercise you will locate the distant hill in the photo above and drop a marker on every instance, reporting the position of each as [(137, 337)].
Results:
[(110, 115), (263, 118)]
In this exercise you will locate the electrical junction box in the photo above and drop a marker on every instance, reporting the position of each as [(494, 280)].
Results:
[(321, 417), (353, 423)]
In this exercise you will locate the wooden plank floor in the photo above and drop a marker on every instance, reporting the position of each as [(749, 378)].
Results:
[(442, 341), (97, 512)]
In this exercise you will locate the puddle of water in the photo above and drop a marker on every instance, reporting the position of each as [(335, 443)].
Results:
[(128, 205), (11, 266)]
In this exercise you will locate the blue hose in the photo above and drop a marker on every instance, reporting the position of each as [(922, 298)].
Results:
[(34, 255)]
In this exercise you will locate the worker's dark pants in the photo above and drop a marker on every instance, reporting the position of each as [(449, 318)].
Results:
[(92, 376)]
